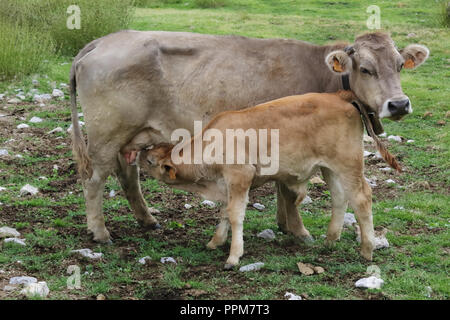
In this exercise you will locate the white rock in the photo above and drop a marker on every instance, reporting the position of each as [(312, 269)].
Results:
[(252, 267), (80, 114), (14, 101), (371, 182), (2, 189), (20, 96), (168, 260), (144, 260), (209, 203), (411, 35), (187, 206), (112, 194), (63, 85), (3, 152), (385, 169), (88, 253), (43, 178), (19, 156), (16, 241), (9, 288), (57, 129), (71, 126), (267, 234), (381, 242), (383, 135), (57, 93), (41, 105), (395, 138), (291, 296), (23, 126), (7, 232), (22, 280), (368, 154), (28, 190), (399, 208), (35, 120), (307, 200), (41, 98), (35, 82), (369, 283), (349, 219), (410, 141), (377, 156), (39, 289), (2, 96), (258, 206), (367, 139), (390, 181)]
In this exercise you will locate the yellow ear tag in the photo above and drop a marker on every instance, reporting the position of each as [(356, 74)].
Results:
[(409, 64), (172, 174), (337, 66)]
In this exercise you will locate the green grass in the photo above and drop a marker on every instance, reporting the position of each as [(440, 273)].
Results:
[(54, 223)]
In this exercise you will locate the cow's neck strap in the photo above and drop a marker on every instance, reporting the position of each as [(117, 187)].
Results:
[(345, 82), (369, 118)]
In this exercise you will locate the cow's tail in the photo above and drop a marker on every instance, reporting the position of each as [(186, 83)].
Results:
[(79, 148)]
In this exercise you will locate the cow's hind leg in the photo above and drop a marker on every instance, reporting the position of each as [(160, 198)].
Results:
[(93, 193), (339, 206), (288, 217), (128, 176)]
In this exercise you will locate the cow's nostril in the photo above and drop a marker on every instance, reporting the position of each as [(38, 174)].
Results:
[(398, 107)]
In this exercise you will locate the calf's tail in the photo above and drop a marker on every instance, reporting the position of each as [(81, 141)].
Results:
[(79, 148)]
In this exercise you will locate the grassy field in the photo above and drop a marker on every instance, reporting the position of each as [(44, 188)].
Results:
[(415, 211)]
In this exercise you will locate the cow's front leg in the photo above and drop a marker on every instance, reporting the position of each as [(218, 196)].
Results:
[(221, 234), (288, 217), (128, 176)]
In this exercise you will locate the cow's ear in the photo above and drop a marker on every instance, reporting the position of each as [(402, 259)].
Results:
[(339, 61), (414, 55)]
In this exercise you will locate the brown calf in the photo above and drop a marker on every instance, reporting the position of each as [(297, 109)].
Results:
[(316, 131)]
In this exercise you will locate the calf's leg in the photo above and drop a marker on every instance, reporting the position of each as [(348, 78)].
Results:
[(359, 194), (339, 206), (128, 176), (288, 217), (221, 234)]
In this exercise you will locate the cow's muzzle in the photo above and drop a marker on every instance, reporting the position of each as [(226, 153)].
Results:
[(399, 107)]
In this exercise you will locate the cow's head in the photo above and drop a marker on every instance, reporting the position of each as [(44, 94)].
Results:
[(373, 64)]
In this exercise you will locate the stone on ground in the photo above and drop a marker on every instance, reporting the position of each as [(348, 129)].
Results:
[(7, 232), (267, 234), (371, 282), (252, 267)]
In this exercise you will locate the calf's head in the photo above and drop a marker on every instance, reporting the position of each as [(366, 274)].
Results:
[(373, 64), (156, 161)]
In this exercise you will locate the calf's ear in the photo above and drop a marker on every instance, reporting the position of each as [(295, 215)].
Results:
[(339, 61), (414, 55), (170, 170)]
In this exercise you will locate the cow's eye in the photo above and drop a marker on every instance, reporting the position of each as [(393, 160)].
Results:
[(364, 70)]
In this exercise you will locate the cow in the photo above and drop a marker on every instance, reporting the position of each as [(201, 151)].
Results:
[(154, 81), (313, 131)]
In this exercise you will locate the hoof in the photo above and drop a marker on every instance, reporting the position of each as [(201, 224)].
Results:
[(153, 226), (367, 255), (308, 239), (283, 228), (211, 245), (228, 266), (330, 243), (156, 226)]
